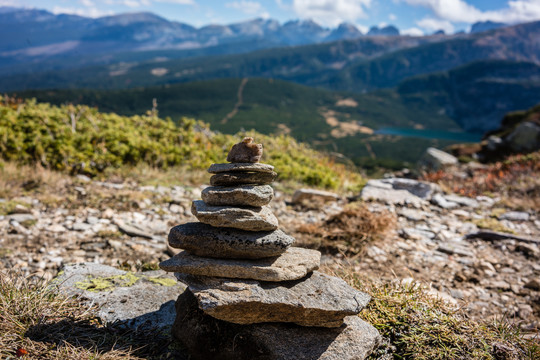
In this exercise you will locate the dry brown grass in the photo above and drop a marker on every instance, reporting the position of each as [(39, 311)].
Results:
[(516, 180), (18, 180), (37, 321), (348, 231)]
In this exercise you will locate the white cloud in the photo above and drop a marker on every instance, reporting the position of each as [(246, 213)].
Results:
[(331, 12), (462, 11), (412, 32), (432, 25), (131, 3), (86, 12), (364, 29), (88, 3), (179, 2), (392, 17), (247, 7)]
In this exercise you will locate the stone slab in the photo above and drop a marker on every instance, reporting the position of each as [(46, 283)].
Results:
[(250, 167), (301, 195), (316, 300), (205, 240), (245, 195), (242, 178), (136, 300), (293, 264), (244, 218), (208, 338)]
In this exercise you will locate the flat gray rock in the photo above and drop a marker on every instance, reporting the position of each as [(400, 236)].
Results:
[(435, 159), (302, 195), (135, 299), (205, 240), (245, 195), (397, 191), (316, 300), (251, 167), (243, 178), (208, 338), (244, 218), (293, 264)]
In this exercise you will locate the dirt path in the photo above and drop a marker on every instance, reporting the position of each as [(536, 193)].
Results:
[(370, 150), (238, 103)]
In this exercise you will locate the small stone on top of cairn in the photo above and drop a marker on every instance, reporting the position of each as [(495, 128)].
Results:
[(245, 152), (243, 276)]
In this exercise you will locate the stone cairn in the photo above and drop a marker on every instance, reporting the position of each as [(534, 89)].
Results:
[(250, 295)]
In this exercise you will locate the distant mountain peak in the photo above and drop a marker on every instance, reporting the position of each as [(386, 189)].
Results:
[(482, 26), (389, 30), (344, 31)]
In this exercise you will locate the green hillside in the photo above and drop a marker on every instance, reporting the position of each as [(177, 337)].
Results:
[(80, 139), (337, 122)]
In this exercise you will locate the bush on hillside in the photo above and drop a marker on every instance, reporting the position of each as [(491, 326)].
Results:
[(80, 139)]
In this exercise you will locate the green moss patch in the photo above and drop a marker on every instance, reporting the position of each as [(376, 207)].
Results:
[(162, 281), (96, 284)]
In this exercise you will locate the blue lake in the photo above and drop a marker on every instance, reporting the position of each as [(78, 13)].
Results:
[(432, 134)]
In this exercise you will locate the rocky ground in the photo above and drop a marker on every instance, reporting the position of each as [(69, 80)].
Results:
[(64, 219)]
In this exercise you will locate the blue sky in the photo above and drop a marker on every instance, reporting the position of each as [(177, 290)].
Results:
[(411, 16)]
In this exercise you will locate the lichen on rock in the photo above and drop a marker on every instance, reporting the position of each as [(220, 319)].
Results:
[(107, 283)]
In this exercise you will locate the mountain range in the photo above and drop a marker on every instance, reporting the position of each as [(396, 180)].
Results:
[(301, 78), (31, 36), (37, 40)]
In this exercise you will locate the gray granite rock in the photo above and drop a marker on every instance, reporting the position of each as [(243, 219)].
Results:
[(245, 151), (380, 190), (462, 200), (316, 300), (208, 338), (245, 167), (205, 240), (135, 299), (302, 195), (243, 178), (293, 264), (245, 195), (244, 218), (435, 159), (443, 202), (515, 216)]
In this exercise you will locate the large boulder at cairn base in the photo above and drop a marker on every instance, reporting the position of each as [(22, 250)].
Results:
[(316, 300), (207, 338), (136, 300), (293, 264), (205, 240), (246, 195), (244, 218)]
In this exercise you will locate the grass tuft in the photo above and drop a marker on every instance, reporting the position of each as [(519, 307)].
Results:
[(418, 325), (36, 320), (349, 230)]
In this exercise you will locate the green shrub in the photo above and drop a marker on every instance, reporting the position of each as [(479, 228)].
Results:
[(80, 139)]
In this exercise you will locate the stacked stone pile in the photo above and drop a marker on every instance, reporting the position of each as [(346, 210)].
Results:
[(249, 293)]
